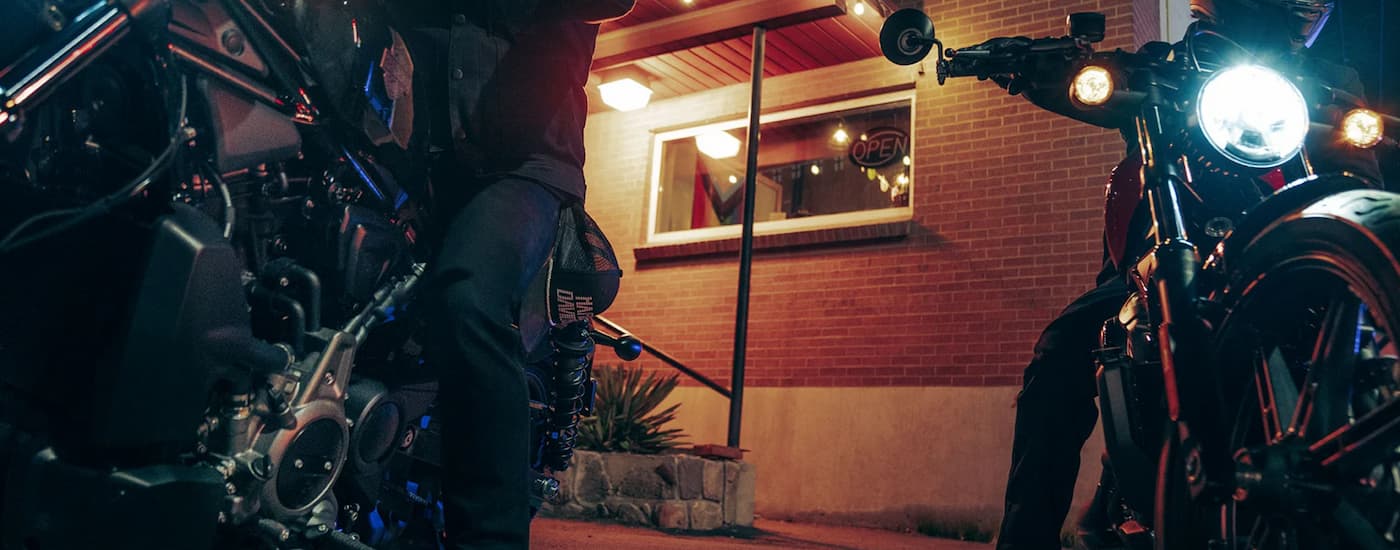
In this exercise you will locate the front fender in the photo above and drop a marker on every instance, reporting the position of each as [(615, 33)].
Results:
[(1291, 198)]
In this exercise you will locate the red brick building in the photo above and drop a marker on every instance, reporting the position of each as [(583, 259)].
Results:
[(884, 352)]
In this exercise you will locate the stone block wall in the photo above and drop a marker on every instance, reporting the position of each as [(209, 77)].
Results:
[(669, 491)]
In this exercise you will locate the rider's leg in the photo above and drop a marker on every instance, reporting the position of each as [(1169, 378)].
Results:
[(1054, 416), (493, 248)]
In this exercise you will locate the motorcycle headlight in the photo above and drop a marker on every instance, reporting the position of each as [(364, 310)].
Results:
[(1253, 115)]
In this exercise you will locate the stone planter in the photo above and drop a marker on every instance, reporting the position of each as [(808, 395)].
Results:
[(669, 491)]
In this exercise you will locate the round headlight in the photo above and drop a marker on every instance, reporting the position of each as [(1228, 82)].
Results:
[(1363, 128), (1253, 115)]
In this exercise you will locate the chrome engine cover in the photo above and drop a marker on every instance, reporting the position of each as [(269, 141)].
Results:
[(305, 460)]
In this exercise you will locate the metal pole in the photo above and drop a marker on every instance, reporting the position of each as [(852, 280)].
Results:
[(741, 321)]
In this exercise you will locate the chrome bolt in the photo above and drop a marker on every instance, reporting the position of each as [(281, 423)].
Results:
[(1193, 467), (284, 282), (323, 528), (231, 488), (298, 464), (328, 466), (328, 379)]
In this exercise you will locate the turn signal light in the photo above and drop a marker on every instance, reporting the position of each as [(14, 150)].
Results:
[(1363, 128), (1092, 86)]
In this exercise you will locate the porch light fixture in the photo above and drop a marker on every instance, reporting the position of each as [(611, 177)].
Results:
[(840, 136), (881, 8), (625, 88), (717, 144)]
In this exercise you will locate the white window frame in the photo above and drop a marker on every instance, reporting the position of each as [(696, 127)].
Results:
[(1175, 17), (775, 227)]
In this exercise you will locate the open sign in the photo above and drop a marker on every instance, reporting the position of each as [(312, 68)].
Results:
[(880, 147)]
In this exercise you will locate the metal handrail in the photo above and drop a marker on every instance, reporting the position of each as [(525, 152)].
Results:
[(666, 358)]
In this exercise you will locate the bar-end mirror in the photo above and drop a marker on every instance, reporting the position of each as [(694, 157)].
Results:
[(907, 37)]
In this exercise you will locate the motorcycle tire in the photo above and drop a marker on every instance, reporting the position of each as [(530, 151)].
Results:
[(1312, 307)]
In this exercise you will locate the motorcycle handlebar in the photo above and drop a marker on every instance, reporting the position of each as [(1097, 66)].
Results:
[(1007, 56)]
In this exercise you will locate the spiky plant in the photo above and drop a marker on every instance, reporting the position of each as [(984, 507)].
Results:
[(623, 420)]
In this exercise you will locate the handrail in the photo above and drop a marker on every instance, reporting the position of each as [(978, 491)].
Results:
[(666, 358)]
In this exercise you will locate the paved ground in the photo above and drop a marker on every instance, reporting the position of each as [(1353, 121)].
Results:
[(552, 534)]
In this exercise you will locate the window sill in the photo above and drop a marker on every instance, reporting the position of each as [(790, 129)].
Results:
[(884, 231)]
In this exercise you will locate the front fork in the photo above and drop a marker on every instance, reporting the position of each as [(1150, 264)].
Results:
[(1181, 333)]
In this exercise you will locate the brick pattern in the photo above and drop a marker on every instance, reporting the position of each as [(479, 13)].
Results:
[(1147, 20), (1006, 230)]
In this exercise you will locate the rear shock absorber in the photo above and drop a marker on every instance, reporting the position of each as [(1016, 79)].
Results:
[(573, 366)]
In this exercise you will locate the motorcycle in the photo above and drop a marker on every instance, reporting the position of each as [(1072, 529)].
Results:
[(1248, 385), (213, 240)]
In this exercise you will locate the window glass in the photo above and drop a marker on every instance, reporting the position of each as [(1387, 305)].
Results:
[(850, 160)]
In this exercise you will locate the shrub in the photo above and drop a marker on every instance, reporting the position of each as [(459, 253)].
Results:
[(623, 420)]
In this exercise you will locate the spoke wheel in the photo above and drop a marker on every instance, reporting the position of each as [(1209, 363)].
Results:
[(1308, 366)]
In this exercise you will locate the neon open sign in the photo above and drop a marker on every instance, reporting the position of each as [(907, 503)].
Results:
[(880, 147)]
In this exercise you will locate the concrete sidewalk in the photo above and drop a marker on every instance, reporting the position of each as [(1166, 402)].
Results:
[(552, 534)]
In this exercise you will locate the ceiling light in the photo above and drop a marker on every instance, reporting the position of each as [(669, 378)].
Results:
[(840, 136), (733, 178), (816, 170), (625, 94), (717, 144), (859, 8)]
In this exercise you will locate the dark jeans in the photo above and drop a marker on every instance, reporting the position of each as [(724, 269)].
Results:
[(494, 246), (1055, 414)]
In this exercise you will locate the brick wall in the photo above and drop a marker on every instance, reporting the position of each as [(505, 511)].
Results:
[(1006, 229)]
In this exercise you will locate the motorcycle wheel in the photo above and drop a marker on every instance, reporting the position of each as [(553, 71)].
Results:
[(1307, 367)]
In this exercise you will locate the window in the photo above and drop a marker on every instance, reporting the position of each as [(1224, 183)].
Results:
[(843, 164)]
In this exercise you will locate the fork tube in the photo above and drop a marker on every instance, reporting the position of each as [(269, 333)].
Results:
[(1176, 259), (58, 58)]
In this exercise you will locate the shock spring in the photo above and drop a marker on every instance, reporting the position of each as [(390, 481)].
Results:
[(573, 365)]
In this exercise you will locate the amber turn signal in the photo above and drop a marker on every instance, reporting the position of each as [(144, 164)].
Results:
[(1363, 128), (1093, 86)]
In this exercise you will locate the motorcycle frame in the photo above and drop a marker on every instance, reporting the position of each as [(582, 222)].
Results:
[(56, 62)]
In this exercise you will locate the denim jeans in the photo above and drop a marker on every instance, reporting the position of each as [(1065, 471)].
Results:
[(494, 246)]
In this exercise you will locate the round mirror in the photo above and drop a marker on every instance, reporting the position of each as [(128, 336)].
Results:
[(907, 36)]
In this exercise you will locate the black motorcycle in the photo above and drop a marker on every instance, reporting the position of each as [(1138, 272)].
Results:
[(211, 241), (1248, 386)]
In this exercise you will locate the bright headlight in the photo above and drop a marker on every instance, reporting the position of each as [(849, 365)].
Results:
[(1254, 116)]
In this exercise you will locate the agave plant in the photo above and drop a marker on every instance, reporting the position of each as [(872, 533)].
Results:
[(623, 419)]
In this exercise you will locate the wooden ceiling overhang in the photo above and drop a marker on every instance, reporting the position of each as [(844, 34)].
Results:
[(687, 47)]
